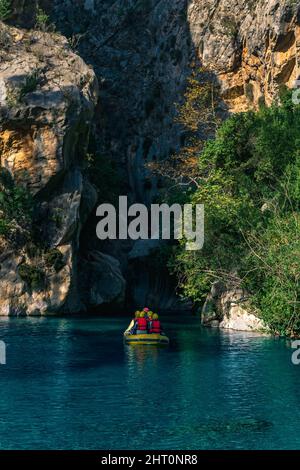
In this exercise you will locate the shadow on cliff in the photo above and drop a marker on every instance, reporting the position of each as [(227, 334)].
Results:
[(142, 58)]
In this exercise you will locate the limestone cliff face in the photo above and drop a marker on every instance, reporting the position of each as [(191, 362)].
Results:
[(141, 52), (47, 101), (252, 46)]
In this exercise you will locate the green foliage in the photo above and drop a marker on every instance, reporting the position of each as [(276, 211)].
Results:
[(16, 205), (230, 26), (41, 20), (12, 97), (274, 271), (54, 259), (16, 95), (32, 275), (249, 181), (5, 38), (57, 218), (251, 4), (5, 9), (31, 83)]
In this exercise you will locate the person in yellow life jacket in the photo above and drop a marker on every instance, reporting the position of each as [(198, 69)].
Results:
[(133, 324), (142, 324), (155, 325)]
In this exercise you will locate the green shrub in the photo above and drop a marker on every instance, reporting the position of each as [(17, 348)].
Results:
[(31, 83), (5, 38), (57, 218), (251, 4), (54, 259), (4, 227), (16, 205), (230, 26), (33, 276), (12, 97), (33, 249), (5, 9), (41, 20), (249, 181), (15, 95)]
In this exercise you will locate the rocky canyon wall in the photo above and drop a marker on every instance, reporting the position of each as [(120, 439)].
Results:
[(107, 83), (48, 96), (252, 46)]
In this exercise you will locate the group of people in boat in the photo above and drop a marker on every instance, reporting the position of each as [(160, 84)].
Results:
[(144, 322)]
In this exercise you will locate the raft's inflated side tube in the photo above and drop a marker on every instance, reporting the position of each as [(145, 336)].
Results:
[(146, 339)]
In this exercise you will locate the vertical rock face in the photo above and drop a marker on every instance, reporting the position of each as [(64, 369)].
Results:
[(47, 100), (140, 51), (252, 46)]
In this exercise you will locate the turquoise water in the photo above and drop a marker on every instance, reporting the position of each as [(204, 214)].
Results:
[(72, 384)]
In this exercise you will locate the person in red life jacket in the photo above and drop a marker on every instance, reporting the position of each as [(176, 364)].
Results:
[(142, 324), (155, 325)]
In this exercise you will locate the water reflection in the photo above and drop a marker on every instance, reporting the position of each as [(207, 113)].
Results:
[(141, 357)]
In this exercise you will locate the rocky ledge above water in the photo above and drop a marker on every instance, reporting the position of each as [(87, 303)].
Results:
[(229, 308)]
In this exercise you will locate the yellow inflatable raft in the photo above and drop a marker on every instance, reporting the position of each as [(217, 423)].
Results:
[(146, 339)]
